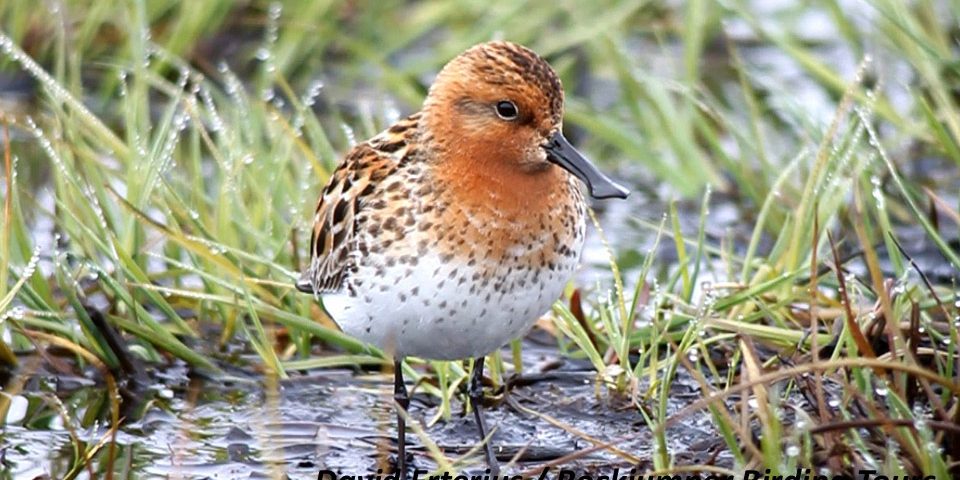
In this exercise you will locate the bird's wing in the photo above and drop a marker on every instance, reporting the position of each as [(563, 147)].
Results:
[(347, 193)]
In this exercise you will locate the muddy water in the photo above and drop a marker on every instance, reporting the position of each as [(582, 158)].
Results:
[(339, 419)]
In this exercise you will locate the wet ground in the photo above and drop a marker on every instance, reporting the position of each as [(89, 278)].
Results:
[(339, 419)]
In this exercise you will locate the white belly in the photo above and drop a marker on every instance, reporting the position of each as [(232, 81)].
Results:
[(445, 311)]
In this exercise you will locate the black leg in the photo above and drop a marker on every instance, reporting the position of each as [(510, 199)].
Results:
[(400, 396), (476, 399)]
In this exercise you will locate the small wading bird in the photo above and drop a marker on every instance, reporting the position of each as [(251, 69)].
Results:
[(447, 235)]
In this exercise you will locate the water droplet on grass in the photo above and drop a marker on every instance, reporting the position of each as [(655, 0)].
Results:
[(881, 390)]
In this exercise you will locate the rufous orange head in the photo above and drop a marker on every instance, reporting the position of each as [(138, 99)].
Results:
[(499, 107)]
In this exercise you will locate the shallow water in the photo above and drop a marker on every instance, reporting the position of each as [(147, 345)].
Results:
[(339, 420)]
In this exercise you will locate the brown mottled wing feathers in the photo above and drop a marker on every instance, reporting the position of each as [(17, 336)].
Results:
[(332, 243)]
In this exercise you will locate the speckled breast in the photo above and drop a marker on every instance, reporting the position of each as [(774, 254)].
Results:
[(447, 289)]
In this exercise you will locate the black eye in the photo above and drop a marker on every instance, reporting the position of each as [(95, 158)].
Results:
[(506, 110)]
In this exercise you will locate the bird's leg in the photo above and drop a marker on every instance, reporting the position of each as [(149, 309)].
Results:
[(403, 401), (475, 391)]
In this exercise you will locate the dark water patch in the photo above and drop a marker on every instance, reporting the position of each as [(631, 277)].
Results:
[(338, 420)]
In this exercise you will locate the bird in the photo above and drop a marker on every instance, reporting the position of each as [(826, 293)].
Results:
[(451, 232)]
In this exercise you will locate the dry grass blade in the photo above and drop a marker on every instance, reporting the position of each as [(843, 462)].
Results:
[(751, 369), (863, 346), (840, 425), (824, 414), (7, 357)]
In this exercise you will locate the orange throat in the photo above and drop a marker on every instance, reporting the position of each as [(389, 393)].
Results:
[(503, 190), (504, 215)]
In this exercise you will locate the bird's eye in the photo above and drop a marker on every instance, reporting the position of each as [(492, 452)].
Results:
[(507, 110)]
